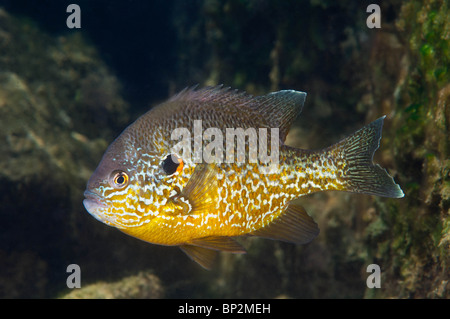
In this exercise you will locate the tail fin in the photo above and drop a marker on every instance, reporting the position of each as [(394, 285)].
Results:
[(360, 174)]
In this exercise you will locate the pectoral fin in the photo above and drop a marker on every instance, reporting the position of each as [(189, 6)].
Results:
[(201, 190), (294, 226)]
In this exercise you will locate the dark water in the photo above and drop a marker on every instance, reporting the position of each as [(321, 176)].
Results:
[(65, 94)]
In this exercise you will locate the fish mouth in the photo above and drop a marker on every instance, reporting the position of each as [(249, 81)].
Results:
[(93, 198), (94, 205)]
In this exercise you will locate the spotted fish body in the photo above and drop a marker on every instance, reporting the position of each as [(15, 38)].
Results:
[(201, 206)]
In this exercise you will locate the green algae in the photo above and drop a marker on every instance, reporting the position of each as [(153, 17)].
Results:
[(416, 248)]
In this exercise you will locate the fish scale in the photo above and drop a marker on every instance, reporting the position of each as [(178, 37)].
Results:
[(203, 206)]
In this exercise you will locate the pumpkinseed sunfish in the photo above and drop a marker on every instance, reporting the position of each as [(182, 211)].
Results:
[(147, 190)]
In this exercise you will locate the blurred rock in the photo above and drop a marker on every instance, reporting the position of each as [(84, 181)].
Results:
[(144, 285)]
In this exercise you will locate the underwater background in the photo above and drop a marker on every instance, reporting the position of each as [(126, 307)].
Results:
[(66, 94)]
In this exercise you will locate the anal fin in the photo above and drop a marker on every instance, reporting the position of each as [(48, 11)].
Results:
[(222, 243), (294, 226)]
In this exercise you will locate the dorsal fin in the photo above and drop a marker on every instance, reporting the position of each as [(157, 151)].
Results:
[(273, 110), (213, 94), (281, 109)]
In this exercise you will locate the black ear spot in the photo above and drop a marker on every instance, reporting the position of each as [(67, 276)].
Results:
[(171, 164)]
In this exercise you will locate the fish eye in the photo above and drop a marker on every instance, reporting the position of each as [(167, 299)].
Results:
[(119, 179), (172, 164)]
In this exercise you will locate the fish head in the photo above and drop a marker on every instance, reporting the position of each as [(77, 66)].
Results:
[(133, 183)]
